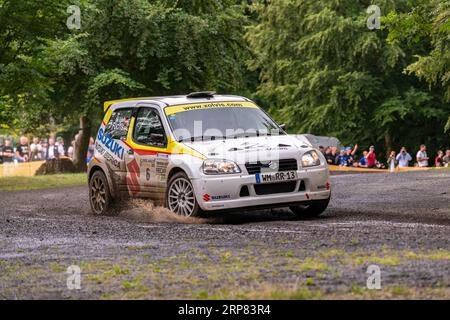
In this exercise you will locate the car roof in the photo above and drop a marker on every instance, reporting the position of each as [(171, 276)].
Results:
[(165, 101)]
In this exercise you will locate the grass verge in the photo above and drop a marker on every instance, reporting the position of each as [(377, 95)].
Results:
[(42, 182)]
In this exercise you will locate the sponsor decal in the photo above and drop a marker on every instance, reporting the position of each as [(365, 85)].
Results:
[(143, 162), (162, 155), (110, 144), (107, 156), (133, 178), (207, 197), (171, 110), (214, 105), (161, 166), (221, 197)]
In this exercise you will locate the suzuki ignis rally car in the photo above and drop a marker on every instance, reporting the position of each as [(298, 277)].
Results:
[(203, 152)]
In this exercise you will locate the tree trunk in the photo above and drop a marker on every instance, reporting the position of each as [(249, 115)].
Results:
[(388, 142), (81, 144)]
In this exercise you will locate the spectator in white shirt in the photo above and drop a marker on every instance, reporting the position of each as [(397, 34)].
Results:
[(422, 157), (71, 150), (403, 158), (52, 150), (36, 150), (60, 144)]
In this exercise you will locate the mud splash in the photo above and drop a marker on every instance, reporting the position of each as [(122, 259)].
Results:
[(145, 210)]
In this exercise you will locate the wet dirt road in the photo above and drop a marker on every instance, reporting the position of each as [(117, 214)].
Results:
[(398, 222)]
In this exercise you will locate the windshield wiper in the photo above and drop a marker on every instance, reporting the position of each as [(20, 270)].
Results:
[(200, 138), (245, 135)]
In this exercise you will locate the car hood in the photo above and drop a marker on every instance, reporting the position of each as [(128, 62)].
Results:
[(242, 150)]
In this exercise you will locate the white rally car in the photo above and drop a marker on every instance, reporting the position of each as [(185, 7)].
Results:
[(203, 152)]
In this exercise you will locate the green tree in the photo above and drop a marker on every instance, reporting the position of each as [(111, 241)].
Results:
[(124, 48), (24, 84), (425, 30), (323, 71)]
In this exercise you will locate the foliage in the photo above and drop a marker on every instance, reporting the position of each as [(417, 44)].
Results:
[(124, 48), (24, 83), (323, 71), (427, 23), (135, 48)]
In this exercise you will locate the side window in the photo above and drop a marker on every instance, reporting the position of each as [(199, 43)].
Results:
[(149, 129), (117, 126)]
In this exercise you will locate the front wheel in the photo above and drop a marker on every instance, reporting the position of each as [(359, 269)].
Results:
[(311, 210), (99, 196), (180, 197)]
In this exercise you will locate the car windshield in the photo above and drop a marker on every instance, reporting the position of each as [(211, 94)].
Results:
[(221, 123)]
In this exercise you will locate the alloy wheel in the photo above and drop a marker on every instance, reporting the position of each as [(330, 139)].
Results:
[(181, 198)]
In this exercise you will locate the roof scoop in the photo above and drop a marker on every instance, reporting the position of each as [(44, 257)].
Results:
[(201, 94)]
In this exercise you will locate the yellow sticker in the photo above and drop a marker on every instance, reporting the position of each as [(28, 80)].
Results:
[(209, 105)]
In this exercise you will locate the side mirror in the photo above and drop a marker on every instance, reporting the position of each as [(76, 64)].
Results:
[(283, 126)]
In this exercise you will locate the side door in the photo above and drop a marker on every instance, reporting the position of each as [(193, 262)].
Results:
[(112, 145), (150, 157)]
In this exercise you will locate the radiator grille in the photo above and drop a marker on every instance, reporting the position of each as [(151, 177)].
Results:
[(283, 165)]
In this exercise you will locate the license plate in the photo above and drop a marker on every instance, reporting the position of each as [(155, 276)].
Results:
[(276, 176)]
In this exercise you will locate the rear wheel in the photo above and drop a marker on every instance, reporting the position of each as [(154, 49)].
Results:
[(311, 210), (180, 197), (99, 196)]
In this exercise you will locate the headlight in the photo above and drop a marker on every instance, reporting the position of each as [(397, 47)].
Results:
[(212, 166), (310, 159)]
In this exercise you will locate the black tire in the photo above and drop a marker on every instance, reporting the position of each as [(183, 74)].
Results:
[(186, 204), (99, 196), (312, 210)]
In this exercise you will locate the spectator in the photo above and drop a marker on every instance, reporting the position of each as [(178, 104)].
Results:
[(439, 160), (329, 156), (403, 158), (1, 150), (52, 151), (91, 148), (322, 149), (44, 147), (447, 158), (7, 152), (371, 158), (363, 161), (422, 157), (71, 150), (379, 165), (340, 159), (36, 153), (391, 161), (23, 151), (334, 154), (60, 145), (348, 157)]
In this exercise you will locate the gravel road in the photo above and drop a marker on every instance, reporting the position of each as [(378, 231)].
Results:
[(399, 222)]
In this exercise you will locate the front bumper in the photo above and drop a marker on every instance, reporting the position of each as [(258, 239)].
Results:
[(223, 192)]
